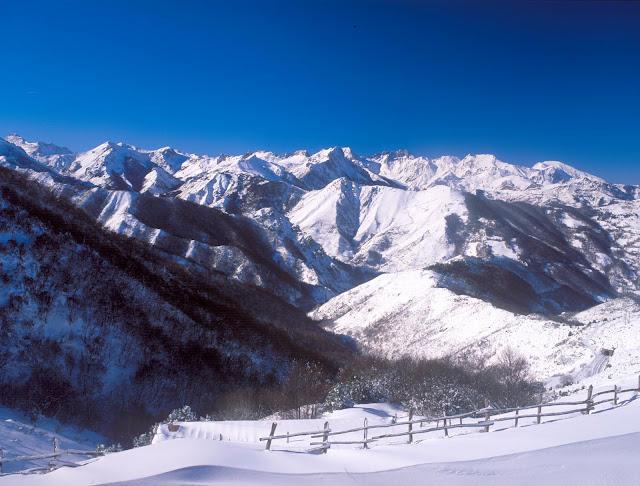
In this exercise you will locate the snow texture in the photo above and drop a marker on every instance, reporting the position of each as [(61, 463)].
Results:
[(597, 449)]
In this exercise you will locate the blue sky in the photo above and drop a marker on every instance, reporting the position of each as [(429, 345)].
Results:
[(526, 81)]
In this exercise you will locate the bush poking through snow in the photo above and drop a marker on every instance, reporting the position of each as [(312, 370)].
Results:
[(108, 449), (182, 414), (433, 387), (299, 397), (429, 387)]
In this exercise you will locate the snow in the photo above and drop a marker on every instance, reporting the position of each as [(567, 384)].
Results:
[(315, 171), (56, 157), (317, 213), (389, 213), (387, 228), (407, 314), (123, 166), (500, 248), (597, 449), (386, 212), (115, 214), (571, 222), (550, 167), (19, 436), (251, 430)]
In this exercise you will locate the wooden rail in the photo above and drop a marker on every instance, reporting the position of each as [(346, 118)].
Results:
[(487, 414), (57, 452)]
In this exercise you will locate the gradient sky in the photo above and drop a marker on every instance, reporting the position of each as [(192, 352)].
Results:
[(526, 81)]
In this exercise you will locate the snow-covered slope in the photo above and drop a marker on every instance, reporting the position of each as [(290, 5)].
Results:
[(59, 158), (308, 227), (15, 157), (101, 330), (596, 450), (387, 228), (24, 436), (121, 166), (406, 255), (411, 314), (385, 213)]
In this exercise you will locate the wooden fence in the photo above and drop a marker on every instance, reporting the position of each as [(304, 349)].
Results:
[(488, 417), (56, 454), (445, 423)]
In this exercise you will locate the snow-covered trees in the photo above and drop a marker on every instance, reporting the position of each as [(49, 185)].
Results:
[(112, 335), (305, 387), (300, 395), (182, 414), (433, 387), (509, 380), (428, 387)]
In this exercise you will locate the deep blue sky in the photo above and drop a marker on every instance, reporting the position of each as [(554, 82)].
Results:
[(526, 81)]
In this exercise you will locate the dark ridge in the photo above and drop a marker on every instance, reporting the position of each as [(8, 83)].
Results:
[(209, 344), (508, 285), (545, 249)]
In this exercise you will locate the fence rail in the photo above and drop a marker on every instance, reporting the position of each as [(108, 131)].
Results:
[(57, 453), (486, 414)]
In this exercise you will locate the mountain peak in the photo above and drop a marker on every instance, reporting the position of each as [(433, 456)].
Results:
[(348, 152), (487, 159), (37, 149), (560, 171), (335, 153), (111, 145), (14, 138), (395, 154)]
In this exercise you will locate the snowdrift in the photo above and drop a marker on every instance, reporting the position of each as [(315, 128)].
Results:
[(596, 449)]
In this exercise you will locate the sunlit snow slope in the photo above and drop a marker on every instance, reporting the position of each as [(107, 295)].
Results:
[(597, 450), (478, 250), (409, 313)]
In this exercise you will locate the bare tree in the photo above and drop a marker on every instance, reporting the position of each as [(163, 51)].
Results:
[(513, 373), (305, 387)]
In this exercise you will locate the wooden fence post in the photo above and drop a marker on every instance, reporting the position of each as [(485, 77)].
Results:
[(56, 447), (615, 394), (325, 438), (446, 431), (517, 417), (589, 399), (1, 456), (639, 383), (487, 415), (287, 436), (365, 433), (271, 434), (410, 425), (539, 418)]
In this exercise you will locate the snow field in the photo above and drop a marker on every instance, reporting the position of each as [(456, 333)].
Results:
[(597, 449), (19, 437), (407, 314)]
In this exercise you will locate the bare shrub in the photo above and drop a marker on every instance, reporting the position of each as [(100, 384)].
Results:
[(433, 387)]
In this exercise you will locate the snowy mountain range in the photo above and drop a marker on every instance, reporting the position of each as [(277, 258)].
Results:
[(364, 235), (332, 219)]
